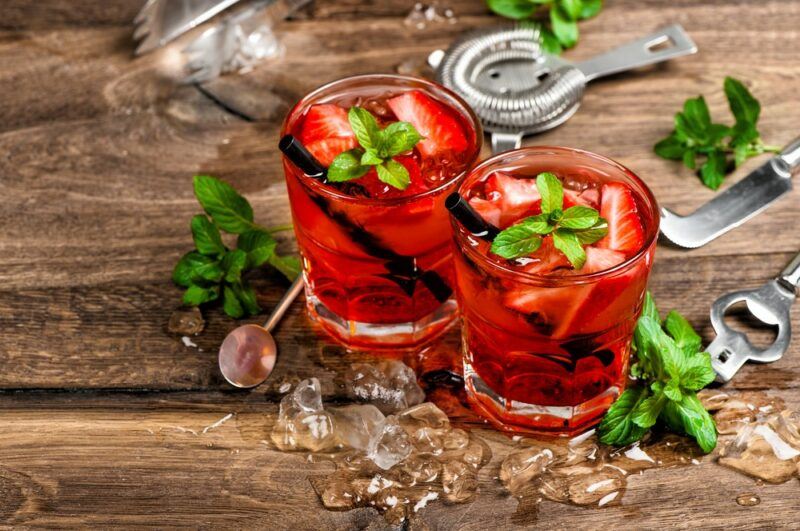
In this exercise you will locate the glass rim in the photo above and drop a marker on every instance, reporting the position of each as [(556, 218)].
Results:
[(483, 261), (464, 109)]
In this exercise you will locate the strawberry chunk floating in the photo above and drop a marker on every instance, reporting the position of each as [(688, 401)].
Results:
[(442, 131), (618, 206), (507, 199), (326, 132)]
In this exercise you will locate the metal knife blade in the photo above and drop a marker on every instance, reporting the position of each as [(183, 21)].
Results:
[(737, 204)]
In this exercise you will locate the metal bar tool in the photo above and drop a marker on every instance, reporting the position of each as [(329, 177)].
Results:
[(769, 304)]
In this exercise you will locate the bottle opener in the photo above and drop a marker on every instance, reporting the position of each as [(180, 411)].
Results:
[(769, 304)]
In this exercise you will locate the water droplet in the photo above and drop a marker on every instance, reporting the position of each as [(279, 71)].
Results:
[(748, 500)]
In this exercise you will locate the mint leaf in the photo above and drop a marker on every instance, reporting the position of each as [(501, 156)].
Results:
[(231, 304), (565, 30), (197, 295), (670, 148), (591, 8), (647, 411), (744, 107), (247, 297), (697, 422), (233, 263), (649, 308), (539, 224), (195, 268), (569, 244), (259, 246), (289, 266), (697, 372), (690, 159), (514, 9), (365, 127), (695, 111), (370, 158), (682, 332), (579, 217), (593, 234), (347, 166), (673, 391), (617, 426), (518, 240), (206, 236), (572, 8), (399, 137), (548, 40), (229, 210), (551, 191), (394, 174), (712, 172)]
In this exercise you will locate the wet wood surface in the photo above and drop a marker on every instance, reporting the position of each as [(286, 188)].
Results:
[(99, 404)]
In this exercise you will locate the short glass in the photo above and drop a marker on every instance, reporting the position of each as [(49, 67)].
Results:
[(559, 371), (378, 271)]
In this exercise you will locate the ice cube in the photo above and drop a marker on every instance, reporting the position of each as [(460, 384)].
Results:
[(390, 385), (424, 415), (390, 444), (305, 431), (428, 440), (354, 425), (419, 469), (521, 467), (459, 481), (456, 439), (307, 396)]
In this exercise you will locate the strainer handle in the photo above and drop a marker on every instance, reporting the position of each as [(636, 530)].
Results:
[(667, 43), (505, 141)]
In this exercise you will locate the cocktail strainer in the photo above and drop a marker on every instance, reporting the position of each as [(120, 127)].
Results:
[(517, 89)]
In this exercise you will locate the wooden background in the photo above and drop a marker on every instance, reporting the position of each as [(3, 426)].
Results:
[(97, 151)]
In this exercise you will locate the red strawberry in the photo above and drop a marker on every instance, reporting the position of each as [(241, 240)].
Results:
[(432, 120), (600, 259), (488, 210), (516, 198), (547, 259), (589, 197), (625, 232), (323, 122), (327, 149)]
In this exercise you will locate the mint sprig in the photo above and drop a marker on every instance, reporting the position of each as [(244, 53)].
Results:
[(378, 147), (213, 269), (670, 369), (695, 135), (570, 229), (557, 19)]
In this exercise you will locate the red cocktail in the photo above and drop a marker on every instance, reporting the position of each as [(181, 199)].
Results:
[(546, 340), (375, 240)]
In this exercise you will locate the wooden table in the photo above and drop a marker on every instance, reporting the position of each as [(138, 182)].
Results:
[(102, 410)]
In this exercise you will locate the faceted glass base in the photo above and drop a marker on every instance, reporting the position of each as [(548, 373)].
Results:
[(358, 335), (519, 417)]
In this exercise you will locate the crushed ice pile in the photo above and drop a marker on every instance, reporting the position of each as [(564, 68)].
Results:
[(389, 385), (396, 463)]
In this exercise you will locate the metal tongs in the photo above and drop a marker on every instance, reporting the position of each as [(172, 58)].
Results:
[(769, 304)]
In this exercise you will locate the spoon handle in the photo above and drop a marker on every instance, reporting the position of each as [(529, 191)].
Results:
[(284, 303)]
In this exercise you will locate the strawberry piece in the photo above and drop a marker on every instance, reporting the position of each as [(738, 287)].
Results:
[(547, 259), (488, 210), (328, 149), (625, 232), (323, 122), (600, 259), (589, 197), (516, 198), (435, 122)]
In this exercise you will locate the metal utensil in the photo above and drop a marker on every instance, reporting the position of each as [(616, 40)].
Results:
[(517, 89), (161, 21), (769, 304), (247, 355), (239, 40), (735, 205)]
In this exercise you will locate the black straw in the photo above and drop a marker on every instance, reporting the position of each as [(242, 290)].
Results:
[(402, 269), (300, 156), (466, 215)]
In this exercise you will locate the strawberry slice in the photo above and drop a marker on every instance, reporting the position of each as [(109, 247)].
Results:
[(516, 198), (323, 122), (625, 232), (589, 197), (600, 259), (435, 122), (488, 210), (328, 149)]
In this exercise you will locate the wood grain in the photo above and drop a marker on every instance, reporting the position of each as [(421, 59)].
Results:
[(98, 150)]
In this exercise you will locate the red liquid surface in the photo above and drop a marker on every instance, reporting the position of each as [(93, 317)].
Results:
[(372, 253), (540, 333)]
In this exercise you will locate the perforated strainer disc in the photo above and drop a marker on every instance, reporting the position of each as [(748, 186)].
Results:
[(517, 89)]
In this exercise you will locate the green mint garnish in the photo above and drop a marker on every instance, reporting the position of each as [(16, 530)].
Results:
[(560, 29), (570, 229), (213, 269), (695, 135), (378, 147), (670, 368)]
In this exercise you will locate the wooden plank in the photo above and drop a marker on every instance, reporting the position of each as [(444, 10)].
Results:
[(152, 463)]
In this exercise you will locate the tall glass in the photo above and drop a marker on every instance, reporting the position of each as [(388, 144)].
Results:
[(378, 270), (556, 369)]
